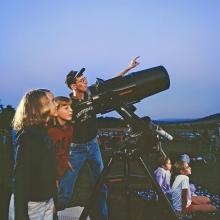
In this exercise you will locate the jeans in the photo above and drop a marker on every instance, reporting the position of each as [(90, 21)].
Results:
[(79, 154)]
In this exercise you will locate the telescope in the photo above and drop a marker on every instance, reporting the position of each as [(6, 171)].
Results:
[(119, 94), (108, 95)]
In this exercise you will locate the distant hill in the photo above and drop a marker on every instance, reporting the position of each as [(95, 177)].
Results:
[(207, 119), (112, 122), (211, 117)]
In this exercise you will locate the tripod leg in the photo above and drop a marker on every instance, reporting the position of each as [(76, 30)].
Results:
[(96, 189), (127, 189), (164, 199)]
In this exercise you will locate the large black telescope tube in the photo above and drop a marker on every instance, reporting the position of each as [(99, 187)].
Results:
[(110, 94)]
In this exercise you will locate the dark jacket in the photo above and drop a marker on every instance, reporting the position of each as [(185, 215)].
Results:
[(35, 170)]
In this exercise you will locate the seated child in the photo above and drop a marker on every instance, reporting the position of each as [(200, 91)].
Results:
[(181, 195), (162, 175), (186, 158)]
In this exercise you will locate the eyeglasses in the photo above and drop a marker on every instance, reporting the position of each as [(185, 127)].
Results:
[(83, 80)]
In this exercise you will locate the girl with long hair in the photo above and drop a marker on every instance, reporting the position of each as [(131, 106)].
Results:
[(34, 171)]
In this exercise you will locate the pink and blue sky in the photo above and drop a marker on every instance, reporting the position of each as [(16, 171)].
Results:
[(42, 40)]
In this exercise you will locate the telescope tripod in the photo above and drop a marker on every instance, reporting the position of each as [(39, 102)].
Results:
[(126, 155)]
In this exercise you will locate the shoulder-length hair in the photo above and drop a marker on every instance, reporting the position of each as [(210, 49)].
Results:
[(177, 167), (163, 161), (33, 109), (62, 101)]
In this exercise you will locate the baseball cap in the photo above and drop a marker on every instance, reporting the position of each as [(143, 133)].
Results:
[(72, 75)]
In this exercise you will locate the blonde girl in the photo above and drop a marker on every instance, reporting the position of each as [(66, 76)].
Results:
[(34, 171)]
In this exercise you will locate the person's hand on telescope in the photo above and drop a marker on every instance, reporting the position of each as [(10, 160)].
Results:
[(131, 65)]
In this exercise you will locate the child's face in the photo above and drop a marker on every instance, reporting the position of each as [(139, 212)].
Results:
[(64, 113), (168, 165), (186, 170)]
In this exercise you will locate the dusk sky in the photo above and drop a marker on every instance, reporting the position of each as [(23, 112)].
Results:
[(41, 41)]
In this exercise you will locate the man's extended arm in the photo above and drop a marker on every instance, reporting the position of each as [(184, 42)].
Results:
[(131, 65)]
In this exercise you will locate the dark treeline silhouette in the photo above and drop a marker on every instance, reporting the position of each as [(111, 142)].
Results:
[(6, 158), (6, 116)]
